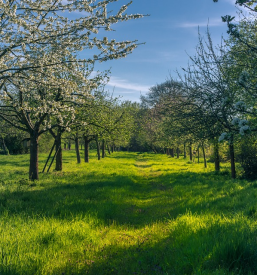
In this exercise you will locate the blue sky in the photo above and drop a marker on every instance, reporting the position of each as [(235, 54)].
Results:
[(170, 34)]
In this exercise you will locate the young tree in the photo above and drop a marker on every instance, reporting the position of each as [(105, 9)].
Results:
[(210, 86)]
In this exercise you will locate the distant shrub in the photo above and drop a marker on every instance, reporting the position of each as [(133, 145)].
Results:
[(248, 157), (14, 144), (4, 152)]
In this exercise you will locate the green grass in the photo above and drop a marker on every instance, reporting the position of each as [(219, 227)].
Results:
[(129, 213)]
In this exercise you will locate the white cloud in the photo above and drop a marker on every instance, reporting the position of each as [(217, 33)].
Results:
[(117, 82), (211, 23)]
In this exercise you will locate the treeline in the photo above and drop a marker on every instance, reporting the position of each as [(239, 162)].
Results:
[(214, 100)]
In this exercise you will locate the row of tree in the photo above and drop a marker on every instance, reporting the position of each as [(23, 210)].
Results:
[(44, 85), (214, 100), (46, 88)]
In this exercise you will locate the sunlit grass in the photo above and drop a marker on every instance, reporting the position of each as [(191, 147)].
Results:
[(129, 213)]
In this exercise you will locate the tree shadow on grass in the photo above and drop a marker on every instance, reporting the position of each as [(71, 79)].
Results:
[(134, 201), (184, 250), (142, 258), (141, 165), (120, 199), (130, 155), (138, 202)]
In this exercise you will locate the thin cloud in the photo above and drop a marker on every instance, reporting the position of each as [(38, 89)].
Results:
[(117, 82), (211, 23)]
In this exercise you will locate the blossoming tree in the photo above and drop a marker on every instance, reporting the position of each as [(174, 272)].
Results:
[(40, 43)]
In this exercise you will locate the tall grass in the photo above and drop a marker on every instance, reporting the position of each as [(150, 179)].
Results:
[(129, 213)]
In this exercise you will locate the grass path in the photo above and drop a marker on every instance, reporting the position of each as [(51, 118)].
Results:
[(130, 213)]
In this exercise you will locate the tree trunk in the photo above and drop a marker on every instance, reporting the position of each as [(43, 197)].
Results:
[(198, 152), (6, 151), (153, 148), (172, 152), (232, 161), (204, 157), (81, 147), (77, 149), (185, 153), (98, 149), (103, 148), (33, 165), (216, 156), (112, 148), (108, 148), (64, 146), (190, 152), (177, 152), (58, 163), (86, 149)]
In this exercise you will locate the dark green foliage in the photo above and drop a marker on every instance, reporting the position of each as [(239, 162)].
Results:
[(248, 157), (251, 211), (4, 151), (136, 145), (14, 144)]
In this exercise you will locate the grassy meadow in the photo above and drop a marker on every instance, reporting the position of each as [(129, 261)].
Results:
[(130, 213)]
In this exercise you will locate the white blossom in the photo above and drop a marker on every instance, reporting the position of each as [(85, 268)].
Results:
[(242, 122), (240, 106), (235, 121), (223, 136), (244, 129), (41, 78), (243, 78)]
